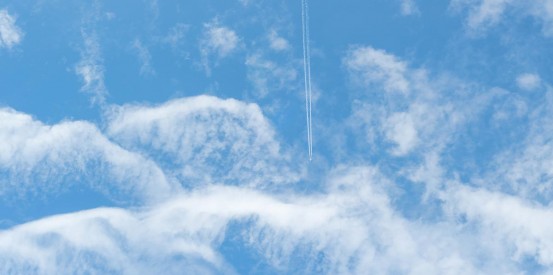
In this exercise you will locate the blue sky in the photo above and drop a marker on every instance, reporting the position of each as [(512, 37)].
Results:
[(141, 137)]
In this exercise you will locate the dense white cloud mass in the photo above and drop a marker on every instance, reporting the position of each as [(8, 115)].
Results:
[(40, 158), (353, 224), (10, 34)]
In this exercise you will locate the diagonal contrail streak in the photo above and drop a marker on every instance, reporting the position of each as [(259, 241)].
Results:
[(307, 75)]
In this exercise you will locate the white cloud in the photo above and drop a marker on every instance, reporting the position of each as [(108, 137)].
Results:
[(352, 225), (49, 158), (176, 35), (369, 65), (544, 11), (217, 40), (416, 113), (145, 58), (484, 14), (221, 40), (91, 70), (277, 42), (400, 128), (525, 168), (503, 216), (10, 34), (208, 140), (528, 81), (245, 2), (513, 227), (409, 7), (268, 76)]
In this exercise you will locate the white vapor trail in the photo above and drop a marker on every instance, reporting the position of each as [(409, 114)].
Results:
[(307, 75)]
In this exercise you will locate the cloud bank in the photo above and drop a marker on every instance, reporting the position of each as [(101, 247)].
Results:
[(435, 182)]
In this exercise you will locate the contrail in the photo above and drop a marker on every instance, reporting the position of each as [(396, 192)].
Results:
[(307, 74)]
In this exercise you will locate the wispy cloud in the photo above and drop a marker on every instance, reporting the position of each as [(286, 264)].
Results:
[(176, 35), (439, 175), (219, 41), (145, 58), (277, 42), (400, 128), (425, 123), (268, 76), (91, 69), (484, 14), (409, 7), (10, 33), (405, 112), (372, 65), (524, 168), (528, 81), (208, 141), (351, 225)]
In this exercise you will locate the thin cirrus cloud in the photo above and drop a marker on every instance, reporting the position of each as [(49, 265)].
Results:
[(218, 42), (409, 7), (528, 81), (276, 42), (91, 69), (524, 168), (371, 65), (484, 14), (506, 215), (406, 104), (144, 57), (10, 33), (268, 76)]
